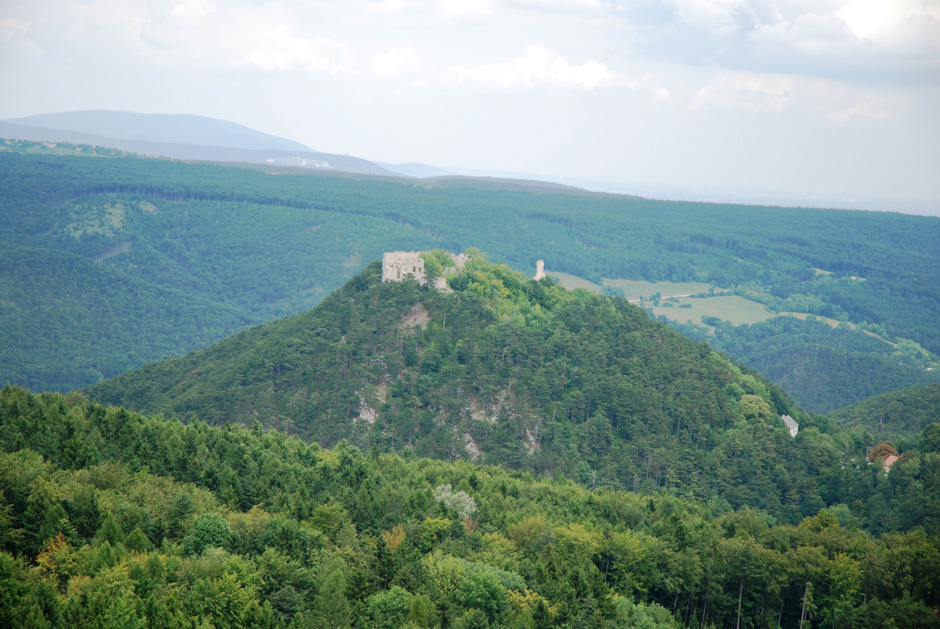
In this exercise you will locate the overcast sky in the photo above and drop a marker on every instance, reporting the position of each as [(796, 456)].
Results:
[(835, 101)]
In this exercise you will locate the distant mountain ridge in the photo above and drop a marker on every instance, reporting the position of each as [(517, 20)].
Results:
[(163, 128), (181, 136)]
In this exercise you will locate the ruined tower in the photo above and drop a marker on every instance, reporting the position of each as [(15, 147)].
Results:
[(539, 270)]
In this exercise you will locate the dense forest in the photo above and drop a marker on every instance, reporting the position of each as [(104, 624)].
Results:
[(109, 518), (525, 374), (258, 244), (894, 415), (823, 367)]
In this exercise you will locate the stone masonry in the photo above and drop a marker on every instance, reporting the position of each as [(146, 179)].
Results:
[(397, 265)]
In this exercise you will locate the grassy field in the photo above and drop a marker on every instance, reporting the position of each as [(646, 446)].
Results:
[(572, 282), (731, 308), (634, 289)]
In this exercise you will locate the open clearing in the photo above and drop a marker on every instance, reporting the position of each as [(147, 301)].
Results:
[(734, 309), (634, 289), (731, 308), (572, 282)]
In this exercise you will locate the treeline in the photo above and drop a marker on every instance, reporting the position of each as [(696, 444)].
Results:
[(109, 518)]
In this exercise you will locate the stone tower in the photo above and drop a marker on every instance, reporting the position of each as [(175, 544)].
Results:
[(539, 270)]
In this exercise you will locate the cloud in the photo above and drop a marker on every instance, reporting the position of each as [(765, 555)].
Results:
[(10, 27), (714, 16), (766, 93), (395, 62), (466, 9), (870, 106), (560, 6), (383, 6), (860, 40), (539, 67), (280, 49), (837, 102)]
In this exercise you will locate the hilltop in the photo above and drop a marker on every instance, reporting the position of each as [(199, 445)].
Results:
[(506, 370)]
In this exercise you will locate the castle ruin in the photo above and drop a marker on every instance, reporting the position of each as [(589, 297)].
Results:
[(539, 270), (398, 265)]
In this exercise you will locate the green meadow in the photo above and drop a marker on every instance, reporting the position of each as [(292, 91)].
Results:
[(732, 308)]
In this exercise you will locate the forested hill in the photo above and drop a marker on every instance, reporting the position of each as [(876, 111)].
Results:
[(520, 373), (109, 519), (894, 415), (269, 242)]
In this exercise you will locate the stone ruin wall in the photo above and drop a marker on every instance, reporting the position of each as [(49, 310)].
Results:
[(397, 265)]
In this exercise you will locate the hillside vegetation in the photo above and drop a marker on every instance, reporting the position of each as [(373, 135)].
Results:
[(894, 415), (825, 368), (109, 518), (275, 241), (525, 374)]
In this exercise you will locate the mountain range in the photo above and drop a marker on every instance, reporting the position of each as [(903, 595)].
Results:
[(191, 137)]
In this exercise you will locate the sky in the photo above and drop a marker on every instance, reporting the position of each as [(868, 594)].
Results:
[(791, 102)]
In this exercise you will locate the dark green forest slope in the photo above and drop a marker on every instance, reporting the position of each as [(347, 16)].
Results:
[(71, 322), (274, 242), (894, 415), (528, 375), (108, 518), (824, 368)]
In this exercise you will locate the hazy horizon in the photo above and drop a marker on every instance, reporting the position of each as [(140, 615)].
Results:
[(825, 103)]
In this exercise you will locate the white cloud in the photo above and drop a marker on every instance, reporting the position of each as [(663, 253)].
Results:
[(539, 67), (191, 11), (395, 62), (466, 9), (10, 27), (750, 92), (809, 33), (561, 6), (714, 16), (822, 99), (869, 106), (280, 49), (384, 6)]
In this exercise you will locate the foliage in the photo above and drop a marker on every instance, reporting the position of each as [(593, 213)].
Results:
[(894, 415), (824, 368), (301, 534)]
